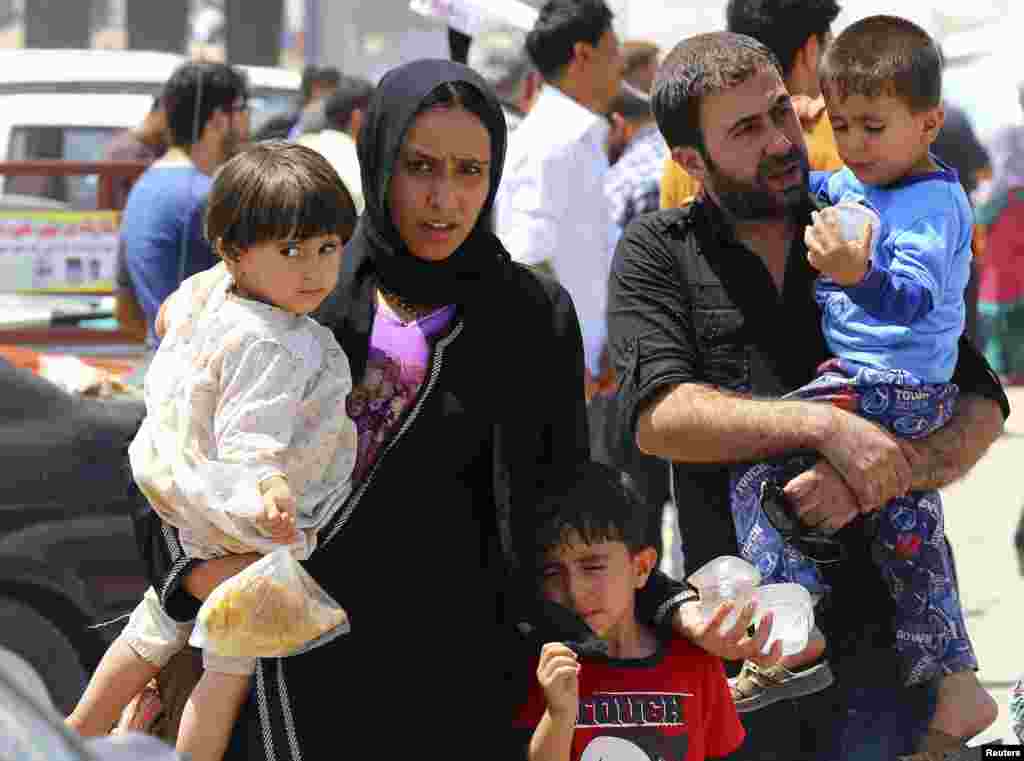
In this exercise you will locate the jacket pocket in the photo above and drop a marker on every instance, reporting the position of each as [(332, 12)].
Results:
[(724, 348)]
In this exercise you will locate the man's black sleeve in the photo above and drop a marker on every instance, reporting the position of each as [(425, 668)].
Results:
[(650, 331), (650, 339), (974, 376)]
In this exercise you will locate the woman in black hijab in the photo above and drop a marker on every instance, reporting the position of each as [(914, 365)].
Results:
[(420, 554)]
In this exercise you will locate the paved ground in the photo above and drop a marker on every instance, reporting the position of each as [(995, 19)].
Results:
[(982, 512), (981, 516)]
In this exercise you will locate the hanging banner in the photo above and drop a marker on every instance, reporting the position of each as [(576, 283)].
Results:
[(473, 16), (58, 251)]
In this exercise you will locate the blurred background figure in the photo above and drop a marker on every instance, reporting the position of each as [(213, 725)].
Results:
[(640, 64), (959, 147), (499, 56), (336, 142), (638, 152), (146, 142), (318, 83), (551, 212), (1001, 268), (797, 32)]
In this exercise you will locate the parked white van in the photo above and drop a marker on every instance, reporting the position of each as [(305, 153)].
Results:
[(66, 104)]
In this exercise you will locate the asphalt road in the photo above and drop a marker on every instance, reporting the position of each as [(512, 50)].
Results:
[(982, 512)]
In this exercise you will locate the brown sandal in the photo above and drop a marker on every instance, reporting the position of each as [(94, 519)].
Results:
[(756, 686)]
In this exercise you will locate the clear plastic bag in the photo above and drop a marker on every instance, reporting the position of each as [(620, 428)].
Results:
[(272, 609), (725, 578)]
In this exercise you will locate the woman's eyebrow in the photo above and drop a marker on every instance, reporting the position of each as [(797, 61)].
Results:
[(420, 153)]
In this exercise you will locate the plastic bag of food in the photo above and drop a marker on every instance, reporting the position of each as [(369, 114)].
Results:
[(272, 609)]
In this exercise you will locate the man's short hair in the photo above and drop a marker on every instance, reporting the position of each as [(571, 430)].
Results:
[(632, 105), (559, 26), (884, 55), (313, 74), (595, 501), (194, 92), (499, 56), (783, 26), (699, 66), (352, 93)]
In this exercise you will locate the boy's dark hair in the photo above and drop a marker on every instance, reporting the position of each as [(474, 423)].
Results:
[(636, 54), (559, 26), (194, 92), (884, 55), (595, 501), (276, 191), (698, 66), (783, 26), (631, 105), (353, 93), (313, 74)]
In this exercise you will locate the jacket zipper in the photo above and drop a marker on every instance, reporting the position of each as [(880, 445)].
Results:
[(435, 371)]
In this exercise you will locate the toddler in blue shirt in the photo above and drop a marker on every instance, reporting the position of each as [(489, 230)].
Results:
[(892, 313)]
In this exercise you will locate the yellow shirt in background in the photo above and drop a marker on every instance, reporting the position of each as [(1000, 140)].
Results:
[(677, 187)]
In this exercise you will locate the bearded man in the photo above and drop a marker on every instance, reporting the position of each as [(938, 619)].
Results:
[(711, 317)]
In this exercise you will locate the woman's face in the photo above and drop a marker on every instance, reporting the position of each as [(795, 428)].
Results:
[(441, 180)]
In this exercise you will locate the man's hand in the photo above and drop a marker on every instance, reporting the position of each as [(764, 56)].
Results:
[(278, 521), (822, 499), (558, 674), (733, 644), (869, 458), (845, 262)]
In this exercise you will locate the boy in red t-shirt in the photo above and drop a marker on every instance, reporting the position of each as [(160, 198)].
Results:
[(647, 699)]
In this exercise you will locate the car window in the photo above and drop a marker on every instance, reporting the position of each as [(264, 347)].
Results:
[(30, 143)]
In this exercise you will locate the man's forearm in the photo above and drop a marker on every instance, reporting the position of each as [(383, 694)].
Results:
[(699, 424), (949, 453)]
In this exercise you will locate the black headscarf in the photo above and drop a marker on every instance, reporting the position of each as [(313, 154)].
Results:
[(390, 114)]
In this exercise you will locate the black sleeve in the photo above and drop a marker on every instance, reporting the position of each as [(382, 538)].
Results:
[(650, 332), (567, 435), (974, 376), (650, 339), (165, 561)]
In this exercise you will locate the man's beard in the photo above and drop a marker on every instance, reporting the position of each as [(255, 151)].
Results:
[(746, 201)]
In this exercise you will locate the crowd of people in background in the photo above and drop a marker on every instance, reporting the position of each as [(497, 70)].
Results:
[(575, 249)]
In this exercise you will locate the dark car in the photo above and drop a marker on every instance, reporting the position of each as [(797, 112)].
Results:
[(69, 560)]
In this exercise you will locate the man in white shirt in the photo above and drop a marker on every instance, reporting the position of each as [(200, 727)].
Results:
[(551, 210), (343, 111)]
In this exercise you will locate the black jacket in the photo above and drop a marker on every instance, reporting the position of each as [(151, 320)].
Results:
[(419, 557)]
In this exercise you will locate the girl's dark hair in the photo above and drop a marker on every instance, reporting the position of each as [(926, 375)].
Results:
[(276, 191), (594, 501)]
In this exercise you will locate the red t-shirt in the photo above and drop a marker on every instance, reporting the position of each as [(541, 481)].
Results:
[(672, 706)]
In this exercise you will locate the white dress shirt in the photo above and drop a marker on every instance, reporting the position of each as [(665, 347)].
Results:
[(340, 151), (551, 205)]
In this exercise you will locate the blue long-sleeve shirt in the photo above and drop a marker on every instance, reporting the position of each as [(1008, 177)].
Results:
[(908, 313), (162, 233)]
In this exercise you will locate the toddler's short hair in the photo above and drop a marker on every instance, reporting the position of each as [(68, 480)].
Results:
[(598, 503), (276, 191), (884, 55)]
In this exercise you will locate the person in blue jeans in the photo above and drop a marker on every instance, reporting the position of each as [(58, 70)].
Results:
[(892, 303)]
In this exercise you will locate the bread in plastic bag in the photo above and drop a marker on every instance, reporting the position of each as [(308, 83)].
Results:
[(272, 609)]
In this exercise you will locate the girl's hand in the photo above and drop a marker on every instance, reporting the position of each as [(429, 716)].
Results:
[(278, 522), (558, 674), (845, 262)]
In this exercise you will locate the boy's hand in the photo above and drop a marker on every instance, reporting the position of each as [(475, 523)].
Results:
[(844, 262), (280, 507), (558, 674)]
